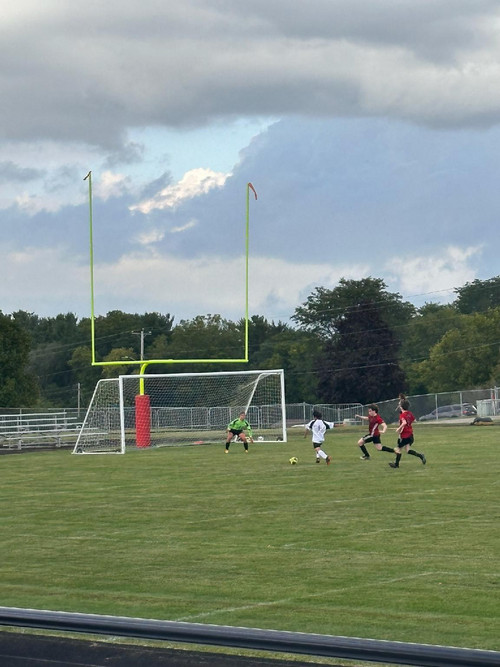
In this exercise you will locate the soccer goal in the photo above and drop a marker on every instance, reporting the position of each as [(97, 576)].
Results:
[(178, 409)]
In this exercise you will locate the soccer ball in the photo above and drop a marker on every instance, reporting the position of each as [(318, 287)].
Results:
[(294, 460), (260, 438)]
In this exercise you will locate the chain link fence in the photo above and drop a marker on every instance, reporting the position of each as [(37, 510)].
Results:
[(298, 414), (465, 405), (426, 407)]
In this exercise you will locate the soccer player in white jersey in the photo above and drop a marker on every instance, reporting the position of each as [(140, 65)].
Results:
[(318, 426)]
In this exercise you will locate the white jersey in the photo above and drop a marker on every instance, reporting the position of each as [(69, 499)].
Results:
[(319, 428)]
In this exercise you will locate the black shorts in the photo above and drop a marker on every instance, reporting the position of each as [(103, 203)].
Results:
[(372, 438), (235, 431), (406, 442)]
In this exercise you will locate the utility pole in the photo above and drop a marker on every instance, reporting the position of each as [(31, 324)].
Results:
[(142, 334)]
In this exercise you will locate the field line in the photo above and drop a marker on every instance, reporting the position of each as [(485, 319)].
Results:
[(270, 603)]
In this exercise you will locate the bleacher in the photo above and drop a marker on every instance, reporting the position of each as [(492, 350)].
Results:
[(38, 429)]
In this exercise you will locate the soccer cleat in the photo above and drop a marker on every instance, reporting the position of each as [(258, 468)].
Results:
[(328, 460), (364, 458), (424, 460), (393, 465), (318, 460)]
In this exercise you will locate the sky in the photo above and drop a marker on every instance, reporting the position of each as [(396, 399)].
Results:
[(370, 131)]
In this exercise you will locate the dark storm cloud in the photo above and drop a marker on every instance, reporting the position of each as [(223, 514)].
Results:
[(89, 73), (329, 191), (357, 190)]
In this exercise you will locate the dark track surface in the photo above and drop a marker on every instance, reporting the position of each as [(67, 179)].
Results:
[(24, 650)]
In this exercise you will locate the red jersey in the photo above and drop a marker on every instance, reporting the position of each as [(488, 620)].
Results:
[(374, 422), (409, 418)]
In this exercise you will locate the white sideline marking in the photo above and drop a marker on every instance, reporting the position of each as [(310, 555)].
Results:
[(270, 603)]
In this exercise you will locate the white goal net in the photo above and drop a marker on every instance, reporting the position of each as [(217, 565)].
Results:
[(181, 409)]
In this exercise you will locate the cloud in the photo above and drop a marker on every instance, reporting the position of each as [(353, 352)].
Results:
[(43, 175), (111, 185), (165, 283), (193, 184), (97, 71), (183, 228), (44, 281), (12, 172), (145, 280), (130, 153), (151, 236), (434, 273), (344, 198)]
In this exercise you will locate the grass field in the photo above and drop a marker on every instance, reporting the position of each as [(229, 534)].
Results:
[(192, 534)]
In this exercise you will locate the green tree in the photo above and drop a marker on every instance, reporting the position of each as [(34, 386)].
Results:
[(260, 330), (478, 296), (62, 328), (425, 330), (358, 326), (467, 356), (294, 351), (49, 362), (360, 364), (18, 387), (29, 322), (325, 309), (119, 354), (84, 374), (203, 337), (159, 348), (120, 330)]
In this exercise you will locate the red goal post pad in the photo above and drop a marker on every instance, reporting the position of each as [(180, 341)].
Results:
[(142, 421)]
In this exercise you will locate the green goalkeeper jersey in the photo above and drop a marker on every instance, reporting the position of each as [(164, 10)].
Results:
[(240, 425)]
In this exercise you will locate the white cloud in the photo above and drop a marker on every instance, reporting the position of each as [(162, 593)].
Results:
[(150, 281), (31, 204), (441, 271), (152, 236), (194, 183), (111, 185), (45, 281), (183, 228), (212, 285)]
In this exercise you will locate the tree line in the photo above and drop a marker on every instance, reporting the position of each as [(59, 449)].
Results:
[(356, 342)]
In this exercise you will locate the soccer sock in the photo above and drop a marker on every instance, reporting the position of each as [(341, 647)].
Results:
[(322, 454), (245, 445), (364, 450), (414, 453), (398, 459), (387, 449)]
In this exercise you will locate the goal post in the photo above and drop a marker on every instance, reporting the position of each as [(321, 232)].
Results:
[(178, 409)]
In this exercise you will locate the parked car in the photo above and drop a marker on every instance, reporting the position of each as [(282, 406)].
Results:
[(450, 411)]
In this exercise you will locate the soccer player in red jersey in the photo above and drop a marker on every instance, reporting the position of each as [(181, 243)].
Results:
[(376, 427), (405, 431)]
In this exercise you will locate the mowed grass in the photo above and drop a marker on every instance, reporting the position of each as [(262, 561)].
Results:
[(192, 534)]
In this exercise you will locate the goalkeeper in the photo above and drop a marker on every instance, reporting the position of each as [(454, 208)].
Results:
[(238, 427)]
